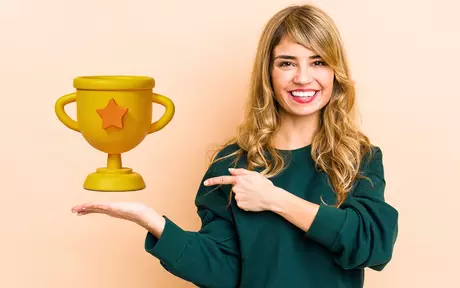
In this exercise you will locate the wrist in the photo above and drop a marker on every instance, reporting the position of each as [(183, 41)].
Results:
[(153, 222), (274, 202)]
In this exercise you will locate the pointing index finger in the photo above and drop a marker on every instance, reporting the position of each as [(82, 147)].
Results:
[(227, 179)]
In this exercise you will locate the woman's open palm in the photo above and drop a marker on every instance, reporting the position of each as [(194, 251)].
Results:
[(132, 211)]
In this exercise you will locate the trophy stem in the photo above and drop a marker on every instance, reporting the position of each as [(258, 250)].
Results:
[(114, 161), (114, 177)]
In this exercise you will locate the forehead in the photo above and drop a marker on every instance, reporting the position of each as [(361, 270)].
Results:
[(289, 46)]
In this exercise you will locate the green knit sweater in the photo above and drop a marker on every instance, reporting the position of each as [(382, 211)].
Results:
[(235, 248)]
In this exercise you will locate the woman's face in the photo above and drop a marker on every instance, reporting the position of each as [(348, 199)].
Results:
[(301, 80)]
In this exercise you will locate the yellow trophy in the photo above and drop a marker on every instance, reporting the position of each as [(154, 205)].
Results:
[(114, 115)]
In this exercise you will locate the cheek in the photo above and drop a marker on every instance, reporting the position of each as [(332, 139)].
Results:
[(280, 79), (326, 80)]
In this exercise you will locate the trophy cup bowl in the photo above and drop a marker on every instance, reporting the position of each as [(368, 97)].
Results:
[(114, 115)]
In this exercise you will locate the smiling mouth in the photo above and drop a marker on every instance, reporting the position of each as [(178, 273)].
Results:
[(303, 94)]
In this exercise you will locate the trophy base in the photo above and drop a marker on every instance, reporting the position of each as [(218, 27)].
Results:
[(114, 180)]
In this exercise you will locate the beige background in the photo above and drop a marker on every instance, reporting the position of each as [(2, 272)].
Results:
[(404, 58)]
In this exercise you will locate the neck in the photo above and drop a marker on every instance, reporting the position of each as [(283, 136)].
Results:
[(295, 131)]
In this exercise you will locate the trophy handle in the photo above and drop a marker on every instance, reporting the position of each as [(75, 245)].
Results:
[(60, 112), (167, 116)]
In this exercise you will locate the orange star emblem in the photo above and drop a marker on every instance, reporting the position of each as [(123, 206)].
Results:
[(112, 114)]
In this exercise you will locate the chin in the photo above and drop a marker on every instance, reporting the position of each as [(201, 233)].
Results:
[(304, 113)]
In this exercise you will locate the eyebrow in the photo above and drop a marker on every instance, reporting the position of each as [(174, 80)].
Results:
[(293, 57)]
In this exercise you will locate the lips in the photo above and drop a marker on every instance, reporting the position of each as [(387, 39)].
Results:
[(304, 96)]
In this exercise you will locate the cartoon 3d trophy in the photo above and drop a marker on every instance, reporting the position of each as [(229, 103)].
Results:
[(114, 115)]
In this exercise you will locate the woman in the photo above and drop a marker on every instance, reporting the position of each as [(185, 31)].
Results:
[(297, 198)]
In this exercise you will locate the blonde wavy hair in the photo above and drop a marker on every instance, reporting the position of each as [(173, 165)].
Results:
[(338, 146)]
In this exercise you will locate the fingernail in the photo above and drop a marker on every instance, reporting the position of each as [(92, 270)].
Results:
[(206, 182)]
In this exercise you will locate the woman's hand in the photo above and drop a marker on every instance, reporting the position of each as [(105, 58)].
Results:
[(253, 191), (136, 212)]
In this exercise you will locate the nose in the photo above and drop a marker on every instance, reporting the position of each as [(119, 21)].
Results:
[(303, 76)]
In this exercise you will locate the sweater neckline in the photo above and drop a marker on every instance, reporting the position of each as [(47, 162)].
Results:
[(295, 150)]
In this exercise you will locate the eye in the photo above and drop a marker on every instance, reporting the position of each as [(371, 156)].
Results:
[(319, 63), (285, 64)]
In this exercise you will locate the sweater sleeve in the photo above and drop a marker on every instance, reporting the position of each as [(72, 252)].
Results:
[(209, 257), (362, 232)]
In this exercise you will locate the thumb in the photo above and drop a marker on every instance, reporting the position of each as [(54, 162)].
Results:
[(240, 171)]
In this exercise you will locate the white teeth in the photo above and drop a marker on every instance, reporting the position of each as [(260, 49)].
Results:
[(303, 94)]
